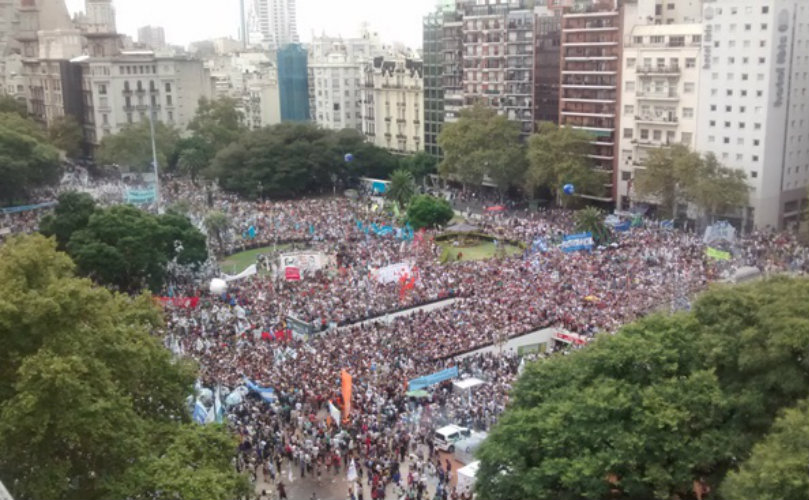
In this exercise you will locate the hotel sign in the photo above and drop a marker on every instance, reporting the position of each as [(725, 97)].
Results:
[(781, 50), (707, 37)]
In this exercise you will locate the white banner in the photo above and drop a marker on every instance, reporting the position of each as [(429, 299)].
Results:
[(250, 271), (392, 273)]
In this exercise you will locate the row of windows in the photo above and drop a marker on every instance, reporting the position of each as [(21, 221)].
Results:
[(138, 70)]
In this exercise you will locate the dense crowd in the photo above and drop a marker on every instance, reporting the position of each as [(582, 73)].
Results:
[(245, 333)]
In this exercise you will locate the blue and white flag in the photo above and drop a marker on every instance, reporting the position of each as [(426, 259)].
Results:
[(266, 393), (623, 226), (218, 409), (667, 224), (433, 378), (200, 413), (577, 242)]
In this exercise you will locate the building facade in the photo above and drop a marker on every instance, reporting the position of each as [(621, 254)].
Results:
[(452, 72), (123, 89), (293, 83), (753, 108), (273, 23), (336, 68), (152, 37), (547, 39), (433, 89), (591, 47), (392, 99), (659, 93)]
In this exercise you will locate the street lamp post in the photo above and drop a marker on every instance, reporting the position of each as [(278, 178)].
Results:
[(154, 156)]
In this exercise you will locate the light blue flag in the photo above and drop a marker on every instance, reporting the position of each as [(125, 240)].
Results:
[(200, 414)]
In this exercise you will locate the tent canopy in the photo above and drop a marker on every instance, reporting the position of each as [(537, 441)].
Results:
[(468, 383)]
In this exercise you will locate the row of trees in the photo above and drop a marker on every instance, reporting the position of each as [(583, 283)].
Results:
[(92, 405), (123, 247), (483, 143), (670, 407)]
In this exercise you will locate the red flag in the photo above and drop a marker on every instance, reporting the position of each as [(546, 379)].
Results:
[(292, 273)]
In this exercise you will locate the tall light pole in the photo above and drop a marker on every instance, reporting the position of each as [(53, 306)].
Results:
[(154, 155)]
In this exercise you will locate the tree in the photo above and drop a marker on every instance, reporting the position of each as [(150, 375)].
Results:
[(591, 220), (667, 403), (71, 214), (402, 187), (216, 225), (669, 175), (9, 104), (27, 160), (429, 211), (777, 468), (218, 122), (88, 396), (482, 143), (718, 189), (420, 165), (559, 156), (192, 161), (66, 134), (132, 146)]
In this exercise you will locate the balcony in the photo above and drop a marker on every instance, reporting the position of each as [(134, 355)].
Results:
[(657, 119), (401, 137), (387, 119), (401, 121), (658, 70), (657, 96)]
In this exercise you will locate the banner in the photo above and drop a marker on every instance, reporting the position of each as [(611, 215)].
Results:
[(249, 271), (185, 302), (714, 253), (292, 273), (571, 338), (391, 273), (334, 413), (577, 242), (266, 393), (26, 208), (719, 231), (299, 327), (140, 196), (345, 380), (622, 227), (433, 378)]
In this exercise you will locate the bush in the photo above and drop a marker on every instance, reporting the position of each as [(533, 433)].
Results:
[(429, 211)]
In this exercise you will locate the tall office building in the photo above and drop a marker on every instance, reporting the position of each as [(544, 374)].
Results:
[(591, 47), (293, 83), (753, 110), (153, 37), (273, 22), (452, 71), (660, 80), (547, 39), (433, 88)]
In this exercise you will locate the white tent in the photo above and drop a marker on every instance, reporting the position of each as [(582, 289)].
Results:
[(466, 476)]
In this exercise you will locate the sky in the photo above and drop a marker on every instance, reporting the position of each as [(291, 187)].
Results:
[(192, 20)]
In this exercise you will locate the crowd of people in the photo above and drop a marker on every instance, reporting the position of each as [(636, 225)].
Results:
[(387, 435)]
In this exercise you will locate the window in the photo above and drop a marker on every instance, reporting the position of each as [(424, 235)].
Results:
[(712, 123), (754, 174), (629, 109), (757, 126), (728, 109), (765, 9), (748, 27), (628, 133), (763, 26), (726, 140), (638, 40), (102, 89), (656, 39), (629, 86), (711, 138), (644, 133), (688, 112), (755, 157), (656, 135), (729, 92), (168, 87), (727, 124), (168, 101), (688, 87), (626, 175), (713, 107), (686, 138), (690, 62), (630, 62), (741, 125)]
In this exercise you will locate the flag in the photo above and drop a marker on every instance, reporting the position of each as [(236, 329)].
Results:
[(219, 410), (667, 224), (351, 476), (334, 412), (717, 254), (292, 273), (396, 209), (345, 379), (266, 393), (199, 414)]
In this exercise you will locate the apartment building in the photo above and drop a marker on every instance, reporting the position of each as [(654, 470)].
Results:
[(121, 90), (753, 110), (393, 100), (433, 67), (659, 90), (273, 23), (152, 37), (336, 72), (452, 72), (547, 39), (590, 48)]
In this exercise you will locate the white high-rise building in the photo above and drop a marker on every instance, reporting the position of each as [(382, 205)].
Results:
[(659, 91), (753, 108), (393, 100), (153, 37), (336, 72), (273, 22)]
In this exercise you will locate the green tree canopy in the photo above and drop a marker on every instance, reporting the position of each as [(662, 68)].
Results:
[(559, 156), (9, 104), (402, 187), (292, 159), (778, 468), (429, 211), (667, 403), (132, 146), (675, 175), (71, 214), (482, 143), (217, 122), (27, 160), (420, 164), (89, 398), (66, 134), (591, 220)]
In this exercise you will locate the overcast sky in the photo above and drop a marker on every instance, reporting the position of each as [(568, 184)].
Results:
[(190, 20)]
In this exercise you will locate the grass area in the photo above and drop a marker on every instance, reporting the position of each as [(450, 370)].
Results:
[(481, 251), (238, 261)]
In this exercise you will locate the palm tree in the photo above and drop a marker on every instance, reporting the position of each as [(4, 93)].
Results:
[(216, 224), (591, 220), (191, 162), (402, 187)]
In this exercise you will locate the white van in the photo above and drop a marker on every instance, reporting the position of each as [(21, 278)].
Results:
[(446, 437)]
